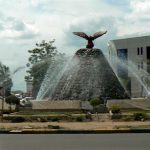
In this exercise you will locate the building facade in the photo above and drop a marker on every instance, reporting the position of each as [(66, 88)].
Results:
[(29, 88), (130, 59)]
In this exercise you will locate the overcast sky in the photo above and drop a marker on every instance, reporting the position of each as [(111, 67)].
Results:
[(25, 22)]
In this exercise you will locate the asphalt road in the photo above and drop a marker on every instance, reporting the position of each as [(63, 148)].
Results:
[(75, 141)]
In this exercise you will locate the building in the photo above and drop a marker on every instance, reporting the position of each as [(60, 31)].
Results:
[(130, 59), (29, 88)]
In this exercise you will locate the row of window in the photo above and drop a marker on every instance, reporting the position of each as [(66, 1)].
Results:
[(140, 65), (140, 51)]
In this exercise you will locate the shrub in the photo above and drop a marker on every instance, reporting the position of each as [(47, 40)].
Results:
[(115, 109), (140, 116), (18, 119), (79, 118), (54, 119), (95, 102), (88, 116), (116, 116)]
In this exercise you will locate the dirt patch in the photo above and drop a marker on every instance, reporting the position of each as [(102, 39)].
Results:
[(74, 125)]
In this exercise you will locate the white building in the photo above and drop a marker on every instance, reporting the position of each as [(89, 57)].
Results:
[(130, 59)]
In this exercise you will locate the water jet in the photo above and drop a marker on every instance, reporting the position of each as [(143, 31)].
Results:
[(87, 75)]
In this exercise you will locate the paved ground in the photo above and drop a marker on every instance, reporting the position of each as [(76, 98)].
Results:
[(75, 142), (77, 125)]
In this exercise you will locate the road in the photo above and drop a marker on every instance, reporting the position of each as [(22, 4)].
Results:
[(75, 141)]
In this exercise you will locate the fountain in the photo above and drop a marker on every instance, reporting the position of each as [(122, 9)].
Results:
[(87, 75)]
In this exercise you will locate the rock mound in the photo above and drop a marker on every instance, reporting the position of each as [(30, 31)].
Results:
[(88, 75)]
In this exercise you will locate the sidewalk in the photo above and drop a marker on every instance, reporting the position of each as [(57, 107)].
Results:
[(76, 127)]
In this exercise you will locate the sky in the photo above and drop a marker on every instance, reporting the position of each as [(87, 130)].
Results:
[(23, 23)]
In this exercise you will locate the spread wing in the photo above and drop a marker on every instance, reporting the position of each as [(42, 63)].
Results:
[(98, 34), (81, 34)]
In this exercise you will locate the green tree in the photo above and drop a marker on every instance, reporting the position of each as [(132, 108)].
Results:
[(95, 102), (5, 79), (12, 100), (5, 84), (40, 58)]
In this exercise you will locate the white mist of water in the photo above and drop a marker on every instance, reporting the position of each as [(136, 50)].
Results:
[(132, 69), (18, 69), (73, 66), (113, 62), (138, 74), (52, 77)]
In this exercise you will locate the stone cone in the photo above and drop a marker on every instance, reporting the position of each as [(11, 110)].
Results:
[(89, 75)]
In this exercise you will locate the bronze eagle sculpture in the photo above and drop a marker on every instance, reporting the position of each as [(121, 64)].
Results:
[(90, 39)]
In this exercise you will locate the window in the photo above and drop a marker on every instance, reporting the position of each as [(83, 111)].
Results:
[(123, 56), (140, 65), (138, 51), (148, 58), (141, 50)]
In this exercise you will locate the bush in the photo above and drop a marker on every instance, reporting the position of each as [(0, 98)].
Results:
[(115, 109), (95, 102), (79, 118), (55, 119), (12, 99), (116, 116), (88, 116), (18, 119), (140, 116)]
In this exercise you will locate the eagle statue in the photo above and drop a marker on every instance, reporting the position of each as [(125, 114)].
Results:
[(90, 39)]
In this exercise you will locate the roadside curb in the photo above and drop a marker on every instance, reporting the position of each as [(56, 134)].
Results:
[(61, 131)]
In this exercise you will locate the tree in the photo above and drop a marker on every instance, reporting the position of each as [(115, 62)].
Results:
[(95, 102), (12, 100), (40, 58), (5, 80), (5, 84)]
